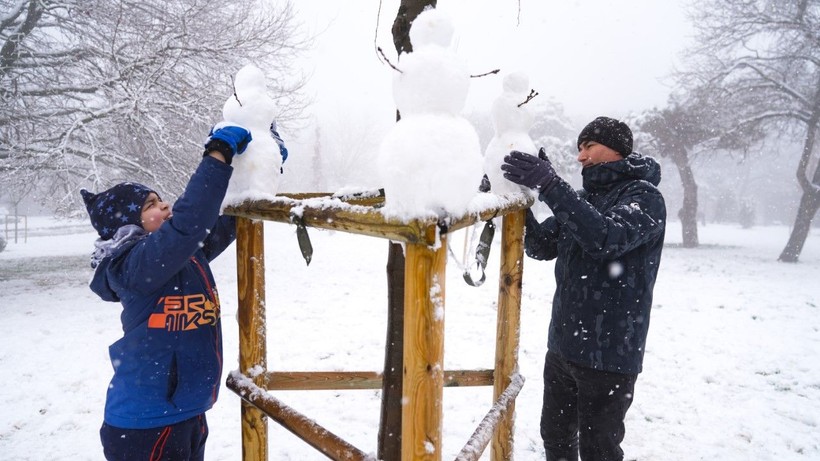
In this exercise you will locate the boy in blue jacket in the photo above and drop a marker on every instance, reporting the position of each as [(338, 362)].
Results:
[(154, 260)]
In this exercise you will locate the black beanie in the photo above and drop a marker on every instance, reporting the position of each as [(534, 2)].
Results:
[(612, 133), (116, 207)]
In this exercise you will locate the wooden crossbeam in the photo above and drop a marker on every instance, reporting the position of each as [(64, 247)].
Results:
[(361, 215), (341, 380), (329, 444)]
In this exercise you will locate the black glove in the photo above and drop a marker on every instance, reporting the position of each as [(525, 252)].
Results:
[(229, 140), (529, 170)]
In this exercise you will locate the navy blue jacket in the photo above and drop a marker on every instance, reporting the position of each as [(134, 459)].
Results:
[(607, 239), (168, 364)]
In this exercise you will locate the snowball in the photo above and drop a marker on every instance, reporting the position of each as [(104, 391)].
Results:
[(430, 163), (431, 27), (432, 80)]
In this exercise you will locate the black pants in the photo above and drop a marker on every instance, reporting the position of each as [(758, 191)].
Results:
[(583, 405), (184, 441)]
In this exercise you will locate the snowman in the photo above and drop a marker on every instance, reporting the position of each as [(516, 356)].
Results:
[(512, 122), (430, 161), (257, 172)]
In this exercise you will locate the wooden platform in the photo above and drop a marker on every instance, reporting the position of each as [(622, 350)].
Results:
[(423, 377)]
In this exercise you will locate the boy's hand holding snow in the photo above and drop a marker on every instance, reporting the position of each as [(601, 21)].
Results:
[(228, 139)]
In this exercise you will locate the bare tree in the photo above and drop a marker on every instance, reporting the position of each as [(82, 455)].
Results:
[(98, 91), (674, 132), (761, 59), (553, 130)]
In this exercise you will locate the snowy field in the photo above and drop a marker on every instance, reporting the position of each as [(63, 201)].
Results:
[(732, 369)]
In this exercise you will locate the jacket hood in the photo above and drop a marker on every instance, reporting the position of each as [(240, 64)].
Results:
[(106, 253), (633, 167)]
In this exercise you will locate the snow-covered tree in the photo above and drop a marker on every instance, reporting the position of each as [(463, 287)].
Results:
[(761, 59), (674, 132), (554, 131), (98, 91)]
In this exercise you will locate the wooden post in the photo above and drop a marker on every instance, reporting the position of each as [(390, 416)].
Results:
[(508, 327), (250, 264), (423, 374)]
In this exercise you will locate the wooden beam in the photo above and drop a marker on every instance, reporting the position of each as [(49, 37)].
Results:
[(371, 199), (363, 215), (504, 405), (250, 266), (356, 220), (468, 378), (321, 380), (423, 351), (356, 380), (318, 437), (508, 325)]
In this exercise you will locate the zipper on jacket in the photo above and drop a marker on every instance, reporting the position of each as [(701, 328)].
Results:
[(215, 300)]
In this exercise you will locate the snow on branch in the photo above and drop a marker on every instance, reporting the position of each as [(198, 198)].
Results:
[(13, 14), (782, 86), (484, 432)]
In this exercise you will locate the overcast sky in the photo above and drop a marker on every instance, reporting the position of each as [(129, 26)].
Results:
[(596, 57)]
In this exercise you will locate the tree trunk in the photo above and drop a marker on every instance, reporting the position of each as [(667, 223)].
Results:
[(408, 10), (10, 50), (688, 213), (389, 443), (801, 10), (810, 201)]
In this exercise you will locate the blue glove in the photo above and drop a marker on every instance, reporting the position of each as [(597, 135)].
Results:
[(229, 140), (283, 151), (530, 171)]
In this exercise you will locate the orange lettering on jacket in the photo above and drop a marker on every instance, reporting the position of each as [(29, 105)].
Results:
[(184, 313)]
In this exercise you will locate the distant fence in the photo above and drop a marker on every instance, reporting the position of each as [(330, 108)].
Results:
[(12, 226)]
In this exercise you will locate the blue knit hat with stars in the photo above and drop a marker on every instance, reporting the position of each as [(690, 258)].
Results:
[(116, 207)]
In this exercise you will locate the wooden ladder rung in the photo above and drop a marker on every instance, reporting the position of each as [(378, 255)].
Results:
[(352, 380), (328, 443)]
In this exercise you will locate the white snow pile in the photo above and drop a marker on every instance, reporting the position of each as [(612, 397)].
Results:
[(512, 122), (430, 161), (257, 172)]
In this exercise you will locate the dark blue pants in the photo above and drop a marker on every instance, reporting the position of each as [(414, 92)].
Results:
[(584, 410), (184, 441)]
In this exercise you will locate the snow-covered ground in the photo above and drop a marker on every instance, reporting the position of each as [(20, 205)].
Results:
[(731, 369)]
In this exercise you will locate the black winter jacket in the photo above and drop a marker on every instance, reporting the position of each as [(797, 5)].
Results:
[(607, 239)]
